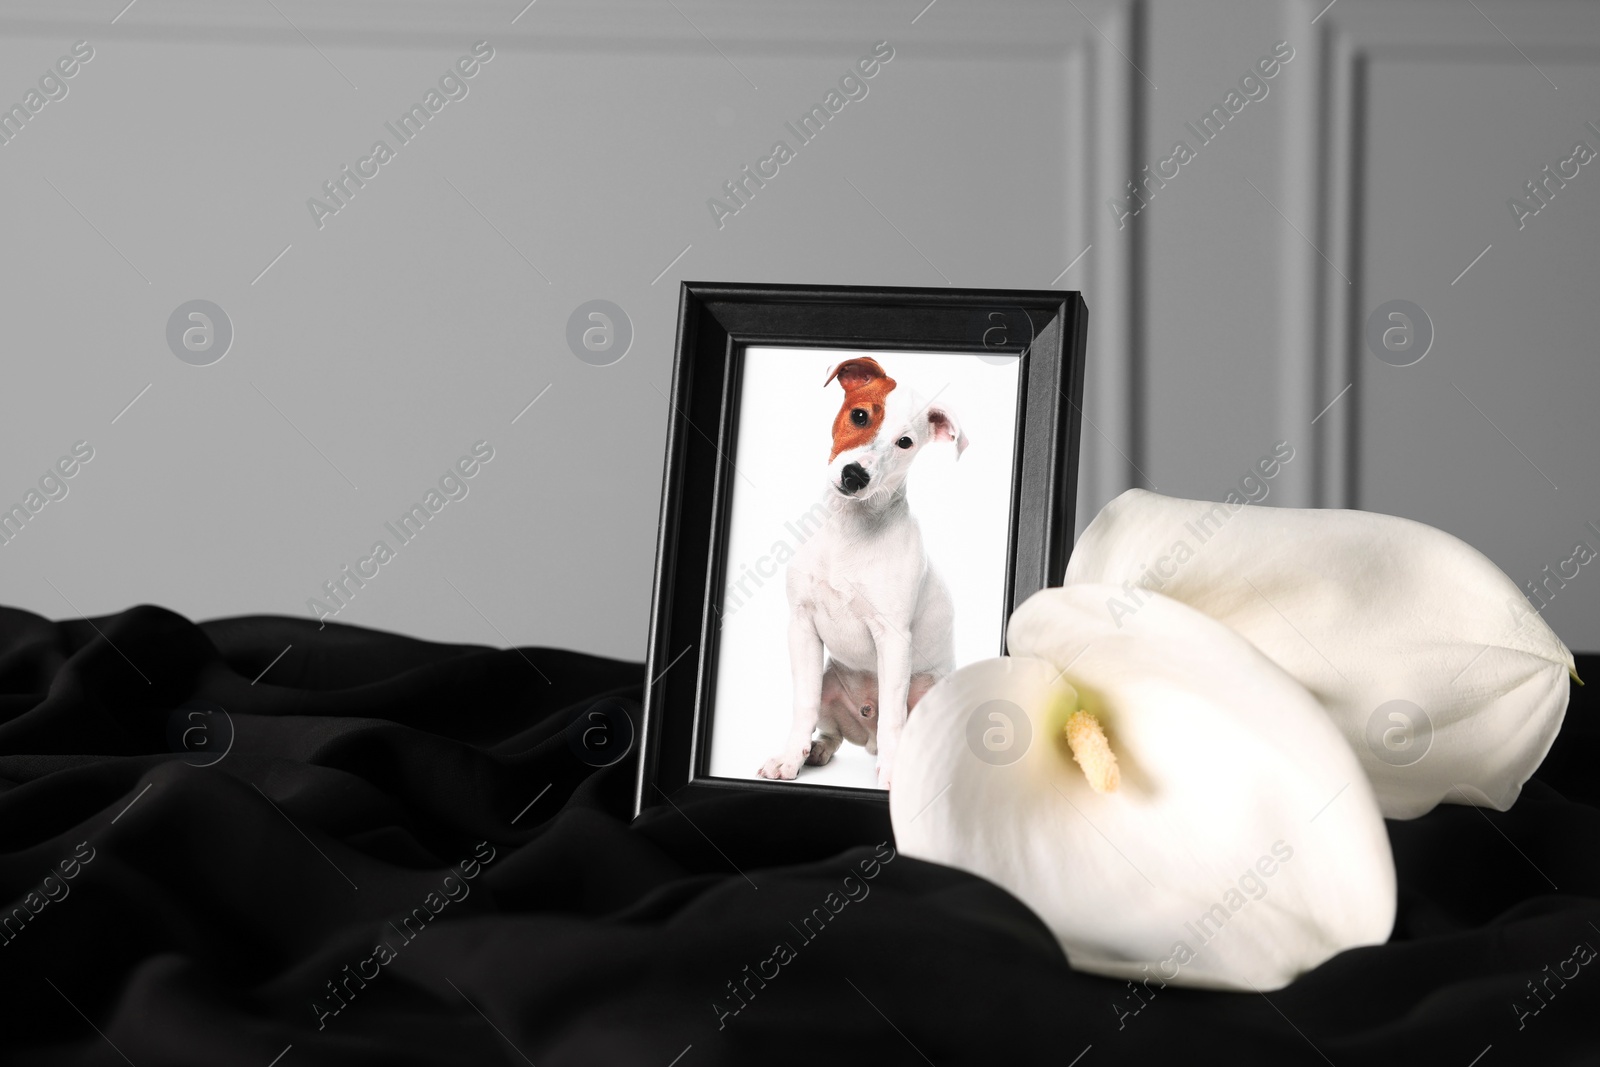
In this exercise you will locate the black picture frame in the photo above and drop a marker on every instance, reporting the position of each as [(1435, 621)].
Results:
[(716, 323)]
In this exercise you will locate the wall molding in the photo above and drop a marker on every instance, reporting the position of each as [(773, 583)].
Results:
[(1356, 34), (1095, 42)]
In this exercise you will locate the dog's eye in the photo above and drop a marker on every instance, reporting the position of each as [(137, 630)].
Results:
[(858, 416), (904, 442)]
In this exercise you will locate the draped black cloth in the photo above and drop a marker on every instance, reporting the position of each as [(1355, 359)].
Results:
[(388, 851)]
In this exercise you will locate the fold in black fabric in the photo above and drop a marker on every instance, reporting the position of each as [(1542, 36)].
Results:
[(387, 851)]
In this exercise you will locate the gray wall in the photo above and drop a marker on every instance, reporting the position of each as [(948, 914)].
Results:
[(428, 312)]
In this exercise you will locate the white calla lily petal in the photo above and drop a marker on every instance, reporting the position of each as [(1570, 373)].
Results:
[(1430, 660), (1239, 844)]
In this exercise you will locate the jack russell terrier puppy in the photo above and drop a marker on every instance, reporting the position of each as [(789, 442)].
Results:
[(862, 588)]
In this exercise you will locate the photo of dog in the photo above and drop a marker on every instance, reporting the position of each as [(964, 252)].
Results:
[(892, 572), (871, 620)]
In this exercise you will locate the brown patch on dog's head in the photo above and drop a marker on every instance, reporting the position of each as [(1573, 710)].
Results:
[(865, 387)]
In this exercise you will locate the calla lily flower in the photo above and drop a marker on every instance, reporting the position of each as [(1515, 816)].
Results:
[(1445, 682), (1173, 805)]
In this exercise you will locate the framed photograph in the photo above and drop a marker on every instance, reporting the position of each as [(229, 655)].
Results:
[(861, 485)]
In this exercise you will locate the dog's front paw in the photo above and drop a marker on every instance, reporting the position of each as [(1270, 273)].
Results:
[(784, 767), (885, 767)]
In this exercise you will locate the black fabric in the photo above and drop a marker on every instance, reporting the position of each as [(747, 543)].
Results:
[(218, 901)]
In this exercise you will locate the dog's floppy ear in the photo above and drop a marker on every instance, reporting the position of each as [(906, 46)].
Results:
[(946, 427), (856, 372)]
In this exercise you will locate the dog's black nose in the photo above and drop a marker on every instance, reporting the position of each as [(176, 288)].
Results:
[(853, 478)]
